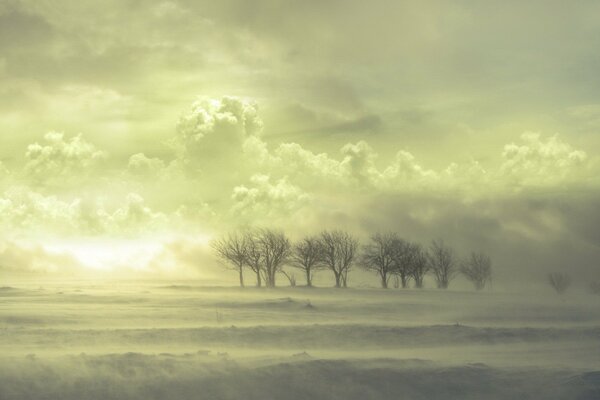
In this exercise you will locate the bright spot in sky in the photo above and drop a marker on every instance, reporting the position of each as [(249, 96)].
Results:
[(109, 254)]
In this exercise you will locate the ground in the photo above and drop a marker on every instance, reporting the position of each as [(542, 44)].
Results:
[(151, 340)]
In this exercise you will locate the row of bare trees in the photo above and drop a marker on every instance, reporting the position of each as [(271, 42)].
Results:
[(391, 256), (265, 252)]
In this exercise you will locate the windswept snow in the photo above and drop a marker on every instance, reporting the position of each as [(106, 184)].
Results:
[(150, 341)]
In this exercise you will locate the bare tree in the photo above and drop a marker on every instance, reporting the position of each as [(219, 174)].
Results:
[(275, 249), (478, 269), (254, 256), (232, 250), (559, 281), (403, 256), (307, 256), (339, 253), (378, 256), (420, 265), (442, 262)]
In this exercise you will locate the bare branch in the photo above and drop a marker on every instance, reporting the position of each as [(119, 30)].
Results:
[(420, 265), (403, 256), (232, 251), (378, 256), (275, 249), (443, 263), (307, 255), (339, 253), (478, 269)]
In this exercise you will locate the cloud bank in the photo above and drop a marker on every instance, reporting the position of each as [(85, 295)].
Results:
[(530, 206)]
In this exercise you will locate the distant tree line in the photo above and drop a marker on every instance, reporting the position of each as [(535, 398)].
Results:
[(561, 281), (265, 253)]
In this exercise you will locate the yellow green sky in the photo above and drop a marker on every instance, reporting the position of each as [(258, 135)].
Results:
[(131, 132)]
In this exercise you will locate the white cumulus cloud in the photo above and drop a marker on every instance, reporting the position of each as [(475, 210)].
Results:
[(263, 198), (59, 158), (538, 162)]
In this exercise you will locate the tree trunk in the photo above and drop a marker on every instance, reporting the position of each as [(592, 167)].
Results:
[(272, 279), (258, 279), (241, 277), (384, 283), (264, 278), (308, 278), (337, 279), (404, 280)]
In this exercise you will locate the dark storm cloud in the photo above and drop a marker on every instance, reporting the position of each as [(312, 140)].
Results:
[(527, 236)]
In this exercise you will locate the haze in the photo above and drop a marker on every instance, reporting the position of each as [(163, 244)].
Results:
[(135, 134)]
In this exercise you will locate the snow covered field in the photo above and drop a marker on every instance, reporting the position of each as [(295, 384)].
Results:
[(157, 341)]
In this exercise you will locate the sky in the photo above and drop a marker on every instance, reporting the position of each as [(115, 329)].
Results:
[(131, 133)]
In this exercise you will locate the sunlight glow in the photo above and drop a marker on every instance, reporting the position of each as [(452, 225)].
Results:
[(108, 255)]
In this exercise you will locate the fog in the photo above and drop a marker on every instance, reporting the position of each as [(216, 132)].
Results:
[(151, 340), (157, 156)]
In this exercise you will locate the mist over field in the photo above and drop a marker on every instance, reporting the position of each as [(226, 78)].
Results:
[(100, 340), (278, 199)]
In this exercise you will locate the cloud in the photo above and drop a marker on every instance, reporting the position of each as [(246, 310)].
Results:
[(141, 165), (223, 171), (536, 162), (441, 84), (59, 158), (355, 170), (21, 208), (215, 129), (358, 164), (18, 29), (470, 177), (135, 213), (34, 259), (210, 146), (527, 235), (405, 173), (266, 199), (300, 165), (441, 57), (26, 211), (223, 174)]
